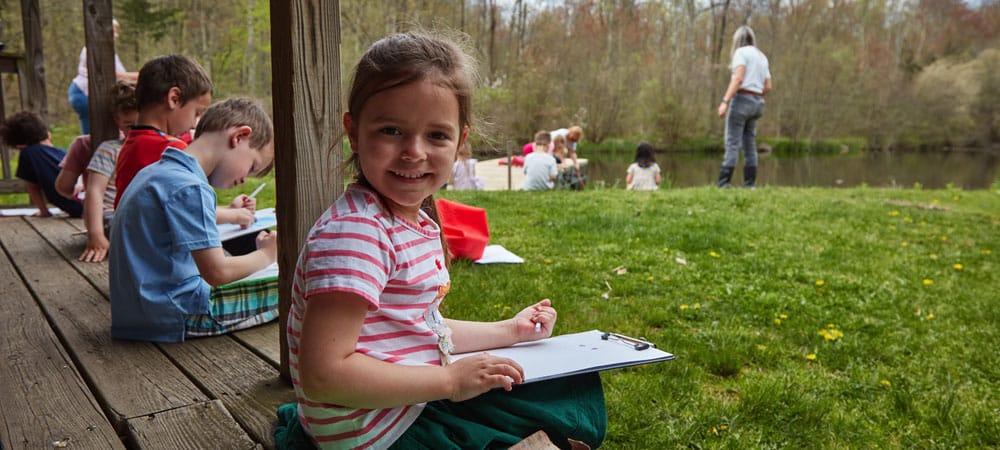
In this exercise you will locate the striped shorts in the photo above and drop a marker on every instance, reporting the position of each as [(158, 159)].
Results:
[(236, 306)]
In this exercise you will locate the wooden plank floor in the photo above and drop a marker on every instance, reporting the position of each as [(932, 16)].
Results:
[(65, 382)]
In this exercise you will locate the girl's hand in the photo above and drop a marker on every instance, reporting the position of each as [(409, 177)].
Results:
[(722, 109), (542, 314), (477, 374)]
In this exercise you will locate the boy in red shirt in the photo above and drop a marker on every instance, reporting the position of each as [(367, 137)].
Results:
[(172, 93)]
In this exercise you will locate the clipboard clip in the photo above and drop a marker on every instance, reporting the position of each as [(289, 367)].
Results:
[(636, 344)]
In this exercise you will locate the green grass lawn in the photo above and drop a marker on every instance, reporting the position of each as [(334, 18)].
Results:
[(801, 318)]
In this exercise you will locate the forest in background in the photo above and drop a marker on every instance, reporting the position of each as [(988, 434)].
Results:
[(897, 73)]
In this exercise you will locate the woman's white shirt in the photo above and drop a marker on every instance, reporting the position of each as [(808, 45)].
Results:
[(757, 69), (80, 80)]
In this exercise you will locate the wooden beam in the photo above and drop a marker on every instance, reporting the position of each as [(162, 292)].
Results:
[(31, 25), (305, 77), (97, 17)]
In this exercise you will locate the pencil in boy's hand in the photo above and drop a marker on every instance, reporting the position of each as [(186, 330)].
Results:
[(257, 191)]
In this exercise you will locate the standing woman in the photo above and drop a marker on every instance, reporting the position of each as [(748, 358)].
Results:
[(78, 96), (744, 102)]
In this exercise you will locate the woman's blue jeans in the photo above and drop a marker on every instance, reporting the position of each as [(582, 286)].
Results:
[(741, 129), (81, 104)]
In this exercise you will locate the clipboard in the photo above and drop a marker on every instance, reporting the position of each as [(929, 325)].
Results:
[(265, 219), (576, 353)]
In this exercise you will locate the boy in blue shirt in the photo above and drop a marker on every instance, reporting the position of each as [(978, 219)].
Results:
[(169, 274), (38, 162)]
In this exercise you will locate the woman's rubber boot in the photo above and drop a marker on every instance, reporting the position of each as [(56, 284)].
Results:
[(725, 176), (750, 177)]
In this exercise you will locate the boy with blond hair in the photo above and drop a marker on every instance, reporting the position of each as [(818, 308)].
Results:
[(540, 168), (170, 278)]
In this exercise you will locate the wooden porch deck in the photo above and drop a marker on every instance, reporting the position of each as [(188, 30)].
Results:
[(65, 383)]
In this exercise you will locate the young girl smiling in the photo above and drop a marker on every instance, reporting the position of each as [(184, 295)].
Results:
[(369, 348)]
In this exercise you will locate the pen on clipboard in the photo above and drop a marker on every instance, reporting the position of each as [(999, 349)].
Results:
[(637, 344), (257, 191)]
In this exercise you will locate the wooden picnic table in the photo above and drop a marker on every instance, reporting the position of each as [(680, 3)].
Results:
[(65, 383)]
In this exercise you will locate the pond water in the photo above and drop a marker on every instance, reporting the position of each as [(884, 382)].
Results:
[(966, 169)]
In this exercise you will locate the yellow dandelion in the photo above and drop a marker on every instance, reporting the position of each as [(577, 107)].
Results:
[(761, 347), (928, 281), (885, 383), (811, 356), (715, 430), (751, 244), (894, 214), (957, 266), (907, 219), (713, 254), (649, 278), (935, 201), (548, 261), (930, 316), (837, 334), (933, 256), (944, 238), (904, 244), (892, 228), (684, 307), (723, 427), (987, 252), (777, 321), (820, 283), (955, 197), (831, 326), (783, 316), (696, 306)]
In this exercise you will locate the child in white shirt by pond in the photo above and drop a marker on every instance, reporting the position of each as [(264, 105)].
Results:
[(644, 173), (463, 171)]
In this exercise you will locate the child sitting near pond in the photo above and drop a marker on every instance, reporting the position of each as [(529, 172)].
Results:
[(167, 266), (540, 168), (643, 174), (38, 162), (463, 171)]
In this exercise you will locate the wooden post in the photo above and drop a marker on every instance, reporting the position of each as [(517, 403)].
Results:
[(305, 77), (101, 76), (510, 162), (31, 24)]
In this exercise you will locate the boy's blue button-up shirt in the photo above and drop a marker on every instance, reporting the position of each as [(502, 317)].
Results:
[(165, 213)]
